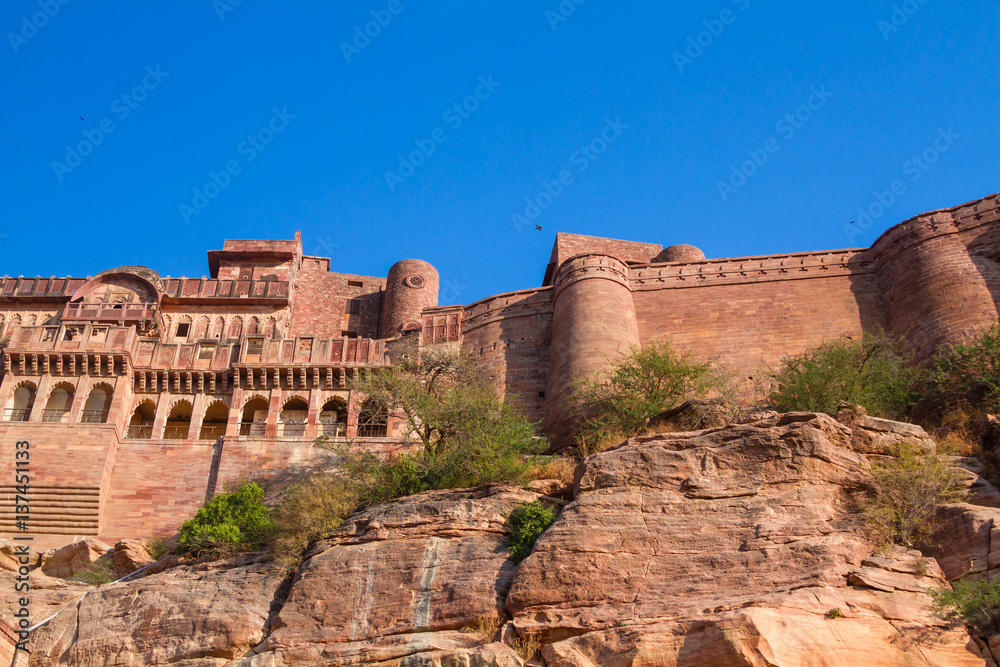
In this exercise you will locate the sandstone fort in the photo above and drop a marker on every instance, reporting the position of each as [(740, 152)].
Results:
[(143, 394)]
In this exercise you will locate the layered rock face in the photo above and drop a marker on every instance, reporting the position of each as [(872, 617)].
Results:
[(736, 546), (729, 547)]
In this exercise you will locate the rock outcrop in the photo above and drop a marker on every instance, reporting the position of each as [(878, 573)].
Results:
[(734, 546)]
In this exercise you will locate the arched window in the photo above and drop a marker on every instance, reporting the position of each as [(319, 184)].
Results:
[(373, 421), (254, 419), (333, 418), (60, 401), (140, 427), (252, 324), (95, 411), (201, 328), (269, 327), (218, 327), (24, 400), (178, 422), (293, 417), (213, 426), (235, 327)]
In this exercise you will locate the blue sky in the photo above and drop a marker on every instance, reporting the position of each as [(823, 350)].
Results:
[(647, 112)]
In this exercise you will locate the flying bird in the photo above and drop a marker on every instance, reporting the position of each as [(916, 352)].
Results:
[(851, 222), (81, 117), (538, 227)]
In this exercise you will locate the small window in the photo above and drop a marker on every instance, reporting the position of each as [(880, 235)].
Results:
[(182, 329), (206, 351), (355, 283), (71, 333), (349, 334), (541, 394), (99, 334), (255, 345)]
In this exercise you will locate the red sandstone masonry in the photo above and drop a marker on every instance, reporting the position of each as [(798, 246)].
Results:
[(934, 279)]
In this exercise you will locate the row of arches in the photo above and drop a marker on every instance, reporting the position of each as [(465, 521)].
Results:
[(292, 419), (59, 404)]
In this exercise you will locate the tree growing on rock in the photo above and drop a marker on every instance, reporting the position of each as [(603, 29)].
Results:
[(644, 382), (872, 371), (466, 434)]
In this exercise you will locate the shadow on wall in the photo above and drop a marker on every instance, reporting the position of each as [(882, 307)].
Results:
[(868, 293), (984, 250)]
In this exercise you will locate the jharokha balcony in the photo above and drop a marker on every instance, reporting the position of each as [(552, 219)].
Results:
[(109, 312)]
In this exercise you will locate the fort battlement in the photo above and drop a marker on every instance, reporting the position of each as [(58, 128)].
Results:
[(144, 394)]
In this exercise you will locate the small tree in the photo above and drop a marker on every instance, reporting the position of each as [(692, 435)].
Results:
[(970, 372), (644, 382), (872, 372), (228, 521), (974, 602), (467, 434), (907, 492)]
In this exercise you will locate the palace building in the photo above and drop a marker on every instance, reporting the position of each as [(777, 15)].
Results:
[(142, 395)]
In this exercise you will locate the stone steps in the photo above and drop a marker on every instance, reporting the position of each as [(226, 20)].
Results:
[(54, 510)]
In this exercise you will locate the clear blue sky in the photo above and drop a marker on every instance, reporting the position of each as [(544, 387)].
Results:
[(882, 92)]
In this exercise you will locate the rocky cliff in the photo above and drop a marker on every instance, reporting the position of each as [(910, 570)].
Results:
[(733, 546)]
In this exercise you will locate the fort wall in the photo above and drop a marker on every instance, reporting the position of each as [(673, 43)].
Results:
[(143, 395)]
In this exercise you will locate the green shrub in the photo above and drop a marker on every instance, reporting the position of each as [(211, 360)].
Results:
[(969, 373), (907, 492), (834, 613), (228, 522), (527, 522), (644, 382), (974, 602), (872, 372), (101, 571)]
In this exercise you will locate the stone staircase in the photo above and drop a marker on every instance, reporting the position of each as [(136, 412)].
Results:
[(54, 510)]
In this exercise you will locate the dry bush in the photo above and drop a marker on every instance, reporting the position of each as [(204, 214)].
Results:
[(907, 491), (485, 629), (553, 467), (595, 442), (526, 647), (310, 510)]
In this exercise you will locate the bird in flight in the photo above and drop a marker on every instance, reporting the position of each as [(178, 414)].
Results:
[(538, 227), (81, 117), (851, 222)]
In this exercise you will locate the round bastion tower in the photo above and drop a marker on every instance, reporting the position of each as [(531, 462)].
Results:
[(411, 286), (593, 321)]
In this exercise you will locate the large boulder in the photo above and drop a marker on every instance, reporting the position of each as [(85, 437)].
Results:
[(730, 546), (400, 580), (68, 560), (205, 615), (873, 435)]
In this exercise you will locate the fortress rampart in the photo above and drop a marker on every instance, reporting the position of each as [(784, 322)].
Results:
[(142, 395)]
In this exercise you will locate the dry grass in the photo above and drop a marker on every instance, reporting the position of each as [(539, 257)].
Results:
[(485, 629), (526, 647), (553, 467), (588, 446)]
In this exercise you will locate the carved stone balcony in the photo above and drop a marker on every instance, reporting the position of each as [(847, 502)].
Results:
[(109, 312)]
